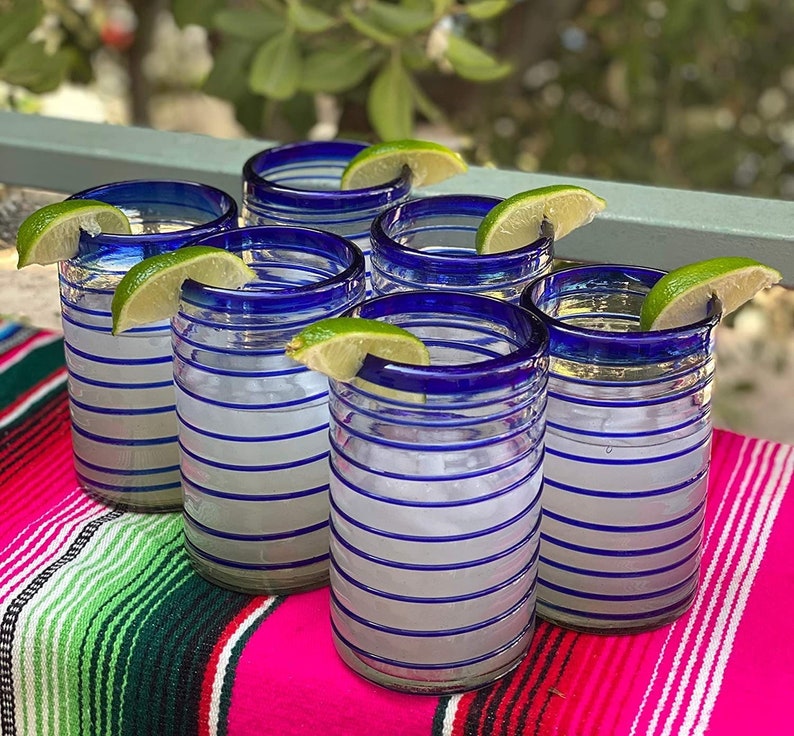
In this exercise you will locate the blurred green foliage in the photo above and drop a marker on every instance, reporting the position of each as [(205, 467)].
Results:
[(684, 93)]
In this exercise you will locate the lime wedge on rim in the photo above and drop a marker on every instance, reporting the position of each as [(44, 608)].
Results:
[(516, 221), (52, 233), (149, 291), (680, 297), (429, 163), (337, 346)]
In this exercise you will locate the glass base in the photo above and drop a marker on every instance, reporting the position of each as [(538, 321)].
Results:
[(158, 502), (418, 682), (614, 628), (259, 582)]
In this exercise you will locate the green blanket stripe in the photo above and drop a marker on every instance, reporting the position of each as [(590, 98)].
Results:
[(38, 365), (225, 700), (186, 645), (75, 595), (119, 614)]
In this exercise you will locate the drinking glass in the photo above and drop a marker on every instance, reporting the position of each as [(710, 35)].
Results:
[(298, 184), (435, 495), (120, 387), (627, 452), (429, 243), (253, 424)]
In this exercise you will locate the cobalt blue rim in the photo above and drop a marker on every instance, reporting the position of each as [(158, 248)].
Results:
[(270, 193), (387, 227), (511, 370), (220, 208), (285, 242), (583, 344)]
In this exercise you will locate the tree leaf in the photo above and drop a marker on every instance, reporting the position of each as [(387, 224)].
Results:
[(276, 69), (29, 65), (251, 25), (225, 80), (390, 104), (486, 9), (17, 22), (196, 12), (362, 23), (336, 69), (308, 19), (471, 62), (400, 20), (425, 105)]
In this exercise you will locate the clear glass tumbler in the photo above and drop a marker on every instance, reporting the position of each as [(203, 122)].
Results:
[(627, 452), (435, 495), (120, 387), (298, 184), (253, 424), (429, 243)]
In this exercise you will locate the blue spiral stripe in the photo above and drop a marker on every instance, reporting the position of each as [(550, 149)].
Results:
[(589, 572), (618, 598), (258, 497), (436, 538), (93, 408), (449, 599), (631, 461), (129, 362), (337, 448), (125, 442), (638, 616), (91, 483), (625, 495), (442, 567), (120, 471), (271, 406), (251, 438), (120, 386), (434, 633), (618, 529), (239, 537), (437, 504), (445, 666), (255, 468), (452, 445), (566, 429), (600, 552), (204, 368), (264, 566)]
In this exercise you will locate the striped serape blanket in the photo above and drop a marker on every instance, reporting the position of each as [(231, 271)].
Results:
[(104, 628)]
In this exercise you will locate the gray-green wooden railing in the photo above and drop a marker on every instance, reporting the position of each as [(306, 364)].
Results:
[(642, 225)]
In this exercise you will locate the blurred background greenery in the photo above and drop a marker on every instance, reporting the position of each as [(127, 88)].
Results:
[(684, 93), (694, 94)]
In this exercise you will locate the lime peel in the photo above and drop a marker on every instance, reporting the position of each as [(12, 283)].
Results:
[(680, 297), (337, 346), (52, 233), (429, 163), (516, 221), (149, 291)]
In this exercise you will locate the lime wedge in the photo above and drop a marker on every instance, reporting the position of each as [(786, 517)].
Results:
[(429, 163), (52, 233), (337, 346), (516, 221), (149, 291), (680, 297)]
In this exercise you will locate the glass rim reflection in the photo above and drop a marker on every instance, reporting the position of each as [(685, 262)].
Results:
[(492, 373), (463, 205), (274, 193), (226, 208), (644, 276), (289, 239)]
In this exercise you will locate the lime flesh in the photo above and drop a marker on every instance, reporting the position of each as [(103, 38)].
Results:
[(680, 297)]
